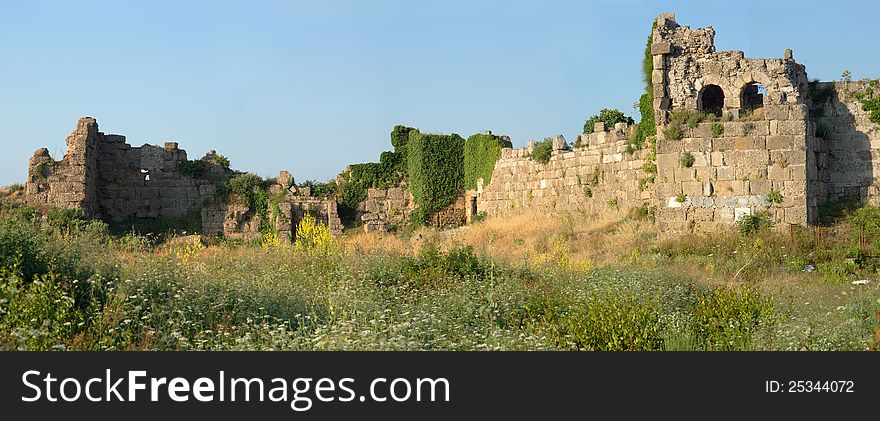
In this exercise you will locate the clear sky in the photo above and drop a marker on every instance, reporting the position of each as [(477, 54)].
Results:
[(312, 86)]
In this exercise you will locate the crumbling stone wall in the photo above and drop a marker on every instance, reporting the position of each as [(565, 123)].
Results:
[(759, 150), (386, 207), (109, 179), (597, 176), (234, 219), (848, 159)]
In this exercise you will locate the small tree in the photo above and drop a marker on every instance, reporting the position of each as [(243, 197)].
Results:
[(609, 116)]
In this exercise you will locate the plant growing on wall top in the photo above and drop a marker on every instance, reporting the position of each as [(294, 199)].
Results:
[(481, 151), (542, 151), (609, 116)]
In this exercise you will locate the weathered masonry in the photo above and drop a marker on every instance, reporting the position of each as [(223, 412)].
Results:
[(109, 179), (735, 136)]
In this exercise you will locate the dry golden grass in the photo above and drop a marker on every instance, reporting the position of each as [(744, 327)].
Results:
[(597, 238)]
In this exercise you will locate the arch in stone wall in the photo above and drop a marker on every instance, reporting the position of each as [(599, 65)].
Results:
[(752, 97), (711, 100)]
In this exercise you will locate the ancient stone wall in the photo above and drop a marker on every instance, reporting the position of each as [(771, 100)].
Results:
[(759, 145), (598, 175), (848, 157), (108, 178), (289, 204), (386, 208)]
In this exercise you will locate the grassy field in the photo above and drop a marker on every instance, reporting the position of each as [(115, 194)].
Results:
[(571, 282)]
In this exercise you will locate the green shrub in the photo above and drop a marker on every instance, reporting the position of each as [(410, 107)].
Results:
[(687, 160), (481, 151), (774, 196), (695, 119), (542, 151), (681, 197), (725, 320), (644, 213), (436, 171), (717, 129), (649, 168), (66, 220), (194, 169), (42, 170), (221, 161), (867, 220), (15, 187), (21, 253), (611, 322), (836, 272), (609, 116), (318, 189), (673, 132), (750, 224)]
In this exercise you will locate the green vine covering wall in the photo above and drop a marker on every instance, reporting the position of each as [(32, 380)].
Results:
[(647, 126), (436, 171), (388, 172), (481, 151)]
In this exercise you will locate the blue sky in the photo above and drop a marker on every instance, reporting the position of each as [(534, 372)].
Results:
[(313, 86)]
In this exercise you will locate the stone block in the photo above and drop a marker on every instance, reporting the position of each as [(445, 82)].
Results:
[(759, 187), (748, 143), (780, 142), (692, 188), (684, 174), (778, 173), (659, 48)]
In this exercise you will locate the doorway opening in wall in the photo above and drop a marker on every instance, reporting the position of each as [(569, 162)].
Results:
[(752, 98), (711, 100)]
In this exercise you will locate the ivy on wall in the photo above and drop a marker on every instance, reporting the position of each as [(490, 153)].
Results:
[(388, 172), (481, 151), (647, 126), (436, 171)]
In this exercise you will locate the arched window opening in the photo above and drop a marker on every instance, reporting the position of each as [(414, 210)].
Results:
[(752, 97), (712, 100)]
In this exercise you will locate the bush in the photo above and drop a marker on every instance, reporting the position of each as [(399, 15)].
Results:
[(673, 131), (609, 116), (604, 322), (436, 171), (717, 129), (687, 160), (774, 196), (194, 169), (21, 252), (481, 151), (681, 197), (644, 213), (542, 152), (313, 237), (320, 189), (725, 320), (221, 161), (750, 224)]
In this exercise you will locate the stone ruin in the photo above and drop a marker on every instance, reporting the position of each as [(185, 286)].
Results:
[(109, 179), (765, 141), (763, 153)]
